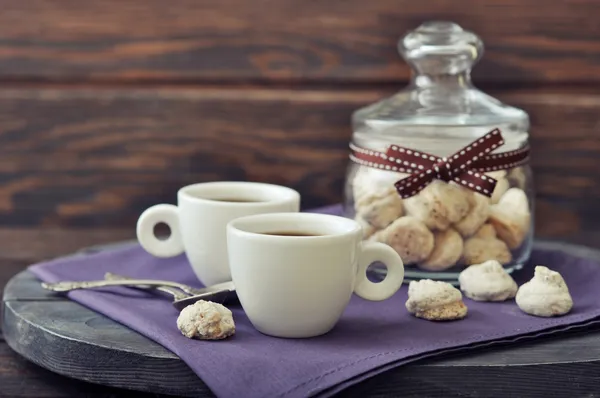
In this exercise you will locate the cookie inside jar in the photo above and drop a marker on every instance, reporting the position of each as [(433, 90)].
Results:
[(445, 227)]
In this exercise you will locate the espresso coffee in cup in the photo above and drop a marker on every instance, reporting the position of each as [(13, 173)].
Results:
[(236, 200), (291, 233), (198, 222)]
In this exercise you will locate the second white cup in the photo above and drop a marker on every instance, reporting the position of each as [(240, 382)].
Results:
[(198, 222)]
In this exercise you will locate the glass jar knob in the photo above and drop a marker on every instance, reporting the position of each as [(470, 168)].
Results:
[(439, 47)]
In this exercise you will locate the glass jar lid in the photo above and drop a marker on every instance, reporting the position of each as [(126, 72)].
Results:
[(441, 55)]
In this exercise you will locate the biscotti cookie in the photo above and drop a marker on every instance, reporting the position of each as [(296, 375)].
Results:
[(435, 301)]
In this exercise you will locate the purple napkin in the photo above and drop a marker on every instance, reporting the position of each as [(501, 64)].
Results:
[(370, 338)]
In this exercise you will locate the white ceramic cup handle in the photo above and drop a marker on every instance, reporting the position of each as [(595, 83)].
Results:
[(370, 253), (168, 214)]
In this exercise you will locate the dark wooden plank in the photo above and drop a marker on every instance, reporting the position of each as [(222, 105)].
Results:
[(103, 156), (20, 378), (539, 381), (29, 245), (286, 41), (8, 269)]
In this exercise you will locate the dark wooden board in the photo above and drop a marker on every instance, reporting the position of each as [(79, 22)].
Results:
[(102, 155), (20, 378), (528, 41), (69, 339)]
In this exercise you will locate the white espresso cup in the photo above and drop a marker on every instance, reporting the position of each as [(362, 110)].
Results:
[(198, 222), (295, 273)]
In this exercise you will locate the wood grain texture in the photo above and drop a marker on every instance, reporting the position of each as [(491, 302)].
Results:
[(29, 245), (20, 378), (286, 40), (101, 156), (487, 381), (83, 157)]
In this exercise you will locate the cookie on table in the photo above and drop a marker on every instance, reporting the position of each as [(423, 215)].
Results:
[(435, 301), (545, 295), (487, 281), (206, 320)]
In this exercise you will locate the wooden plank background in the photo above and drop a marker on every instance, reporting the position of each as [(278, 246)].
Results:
[(335, 41), (108, 107)]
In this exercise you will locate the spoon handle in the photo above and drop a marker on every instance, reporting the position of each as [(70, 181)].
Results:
[(66, 286), (176, 293)]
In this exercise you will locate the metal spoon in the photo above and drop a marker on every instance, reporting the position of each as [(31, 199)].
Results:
[(218, 292), (176, 293), (66, 286)]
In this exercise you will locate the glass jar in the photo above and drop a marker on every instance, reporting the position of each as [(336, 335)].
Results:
[(419, 137)]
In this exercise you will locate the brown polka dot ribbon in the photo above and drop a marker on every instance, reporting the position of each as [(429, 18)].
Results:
[(466, 167)]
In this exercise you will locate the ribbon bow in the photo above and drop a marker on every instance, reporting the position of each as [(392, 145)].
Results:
[(464, 167)]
